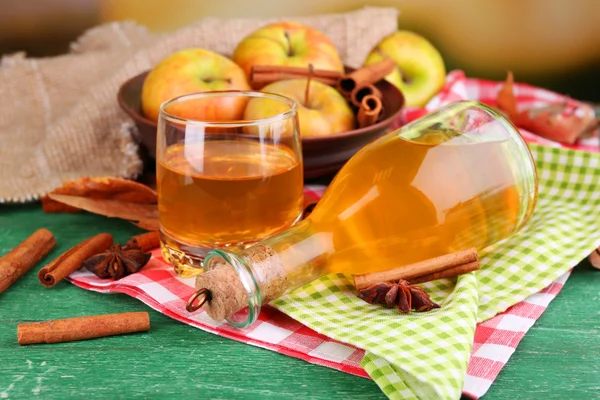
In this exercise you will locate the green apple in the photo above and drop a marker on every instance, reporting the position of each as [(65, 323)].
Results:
[(324, 113), (289, 44), (191, 71), (420, 71)]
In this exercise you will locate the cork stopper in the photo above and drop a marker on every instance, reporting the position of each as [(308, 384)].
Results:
[(223, 293), (228, 296), (269, 271)]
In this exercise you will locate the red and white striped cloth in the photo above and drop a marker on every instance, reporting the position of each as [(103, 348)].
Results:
[(495, 339), (459, 87), (159, 287)]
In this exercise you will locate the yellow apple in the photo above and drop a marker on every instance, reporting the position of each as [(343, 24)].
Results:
[(420, 73), (325, 113), (290, 44), (191, 71)]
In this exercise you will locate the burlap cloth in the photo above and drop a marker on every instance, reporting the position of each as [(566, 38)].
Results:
[(60, 120)]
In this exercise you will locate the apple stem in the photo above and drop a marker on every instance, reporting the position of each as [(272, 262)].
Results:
[(311, 70), (289, 43)]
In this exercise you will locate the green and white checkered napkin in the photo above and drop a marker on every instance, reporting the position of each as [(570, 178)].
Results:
[(425, 355)]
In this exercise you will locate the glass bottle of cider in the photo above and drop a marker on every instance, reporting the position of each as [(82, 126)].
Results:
[(457, 178)]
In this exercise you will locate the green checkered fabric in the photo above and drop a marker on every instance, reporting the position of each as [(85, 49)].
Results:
[(425, 355)]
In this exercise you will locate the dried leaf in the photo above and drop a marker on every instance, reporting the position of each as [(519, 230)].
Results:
[(565, 122), (588, 131), (148, 224), (50, 206), (559, 123), (107, 188), (506, 99), (533, 113), (146, 213)]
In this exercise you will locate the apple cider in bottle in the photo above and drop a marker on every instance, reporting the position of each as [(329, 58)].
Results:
[(402, 201), (458, 178)]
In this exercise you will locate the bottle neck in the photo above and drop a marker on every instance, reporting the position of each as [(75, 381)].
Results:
[(273, 267)]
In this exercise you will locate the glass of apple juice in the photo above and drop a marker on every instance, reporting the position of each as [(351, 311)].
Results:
[(229, 173)]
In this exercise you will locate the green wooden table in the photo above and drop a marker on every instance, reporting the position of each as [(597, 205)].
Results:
[(559, 357)]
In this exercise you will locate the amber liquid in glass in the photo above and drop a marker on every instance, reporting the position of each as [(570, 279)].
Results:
[(406, 201), (224, 192)]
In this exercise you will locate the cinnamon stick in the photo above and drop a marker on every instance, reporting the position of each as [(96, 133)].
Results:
[(360, 92), (261, 75), (72, 259), (422, 268), (365, 76), (368, 113), (82, 328), (447, 273), (22, 258), (144, 242)]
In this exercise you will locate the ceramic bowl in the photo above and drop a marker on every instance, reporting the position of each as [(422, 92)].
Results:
[(322, 155)]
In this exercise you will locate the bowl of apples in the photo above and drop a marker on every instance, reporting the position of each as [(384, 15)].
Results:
[(340, 110)]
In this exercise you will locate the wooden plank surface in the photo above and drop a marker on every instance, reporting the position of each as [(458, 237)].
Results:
[(559, 358)]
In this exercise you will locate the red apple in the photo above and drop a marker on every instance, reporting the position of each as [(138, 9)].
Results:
[(324, 113), (420, 73), (290, 44), (191, 71)]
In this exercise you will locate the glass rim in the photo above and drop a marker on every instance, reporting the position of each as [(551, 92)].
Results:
[(510, 130), (163, 114), (516, 136), (247, 280)]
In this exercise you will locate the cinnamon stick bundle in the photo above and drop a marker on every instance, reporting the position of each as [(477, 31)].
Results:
[(145, 241), (445, 266), (369, 111), (22, 258), (262, 75), (82, 328), (367, 75), (358, 94), (72, 259)]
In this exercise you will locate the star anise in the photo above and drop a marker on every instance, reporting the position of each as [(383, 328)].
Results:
[(116, 262), (402, 295)]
